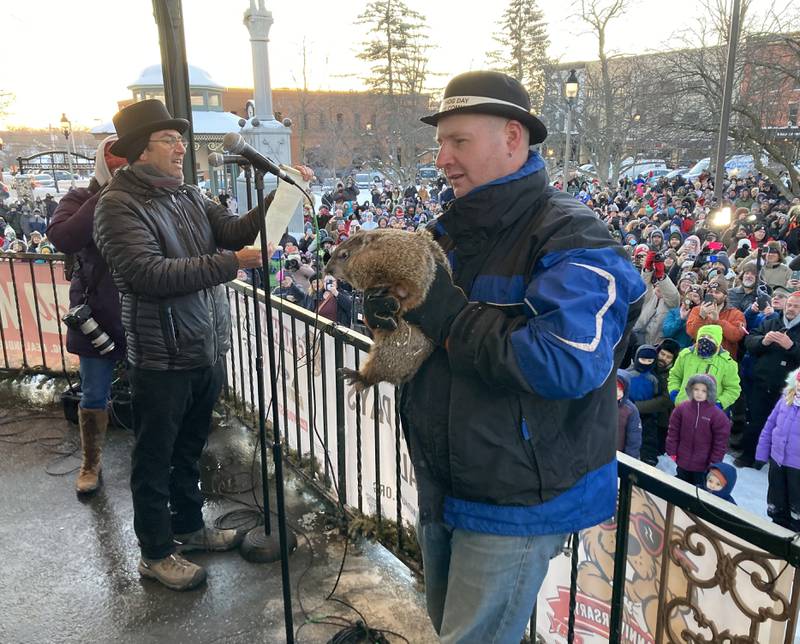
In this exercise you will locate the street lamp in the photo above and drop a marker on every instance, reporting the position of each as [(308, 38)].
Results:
[(66, 128), (570, 93)]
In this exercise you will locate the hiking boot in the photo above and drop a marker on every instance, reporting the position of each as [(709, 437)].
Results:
[(93, 425), (173, 571), (210, 539)]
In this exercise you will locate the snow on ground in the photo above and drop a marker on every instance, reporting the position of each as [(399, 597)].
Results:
[(750, 491)]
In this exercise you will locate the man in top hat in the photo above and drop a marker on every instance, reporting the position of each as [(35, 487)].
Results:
[(162, 240), (512, 420)]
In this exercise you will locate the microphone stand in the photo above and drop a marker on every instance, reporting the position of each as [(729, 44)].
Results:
[(261, 546)]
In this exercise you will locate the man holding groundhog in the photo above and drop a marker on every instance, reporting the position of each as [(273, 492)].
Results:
[(511, 422)]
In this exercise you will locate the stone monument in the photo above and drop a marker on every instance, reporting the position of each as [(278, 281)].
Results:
[(270, 137)]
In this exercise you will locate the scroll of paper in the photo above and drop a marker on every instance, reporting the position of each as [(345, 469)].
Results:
[(283, 206)]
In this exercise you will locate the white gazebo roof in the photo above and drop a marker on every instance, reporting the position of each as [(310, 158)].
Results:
[(152, 76), (202, 123)]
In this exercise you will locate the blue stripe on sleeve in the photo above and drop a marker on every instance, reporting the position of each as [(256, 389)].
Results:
[(578, 304)]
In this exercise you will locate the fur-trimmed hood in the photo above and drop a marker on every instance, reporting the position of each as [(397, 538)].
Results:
[(710, 383)]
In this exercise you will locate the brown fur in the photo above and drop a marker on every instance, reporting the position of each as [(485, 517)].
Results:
[(404, 264)]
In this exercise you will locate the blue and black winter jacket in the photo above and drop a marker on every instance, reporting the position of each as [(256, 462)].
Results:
[(517, 421)]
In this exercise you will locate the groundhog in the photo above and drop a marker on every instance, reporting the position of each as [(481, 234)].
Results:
[(404, 264)]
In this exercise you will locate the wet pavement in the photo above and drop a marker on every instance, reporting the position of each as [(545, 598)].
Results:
[(68, 567)]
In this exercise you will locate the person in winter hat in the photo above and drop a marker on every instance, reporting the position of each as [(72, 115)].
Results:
[(774, 348), (629, 428), (656, 240), (675, 240), (661, 296), (707, 356), (643, 384), (720, 479), (779, 445), (775, 273), (718, 311), (698, 430), (655, 411), (70, 231)]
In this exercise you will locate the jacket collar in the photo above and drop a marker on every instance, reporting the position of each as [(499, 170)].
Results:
[(493, 206)]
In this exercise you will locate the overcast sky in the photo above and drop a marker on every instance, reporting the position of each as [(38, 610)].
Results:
[(78, 56)]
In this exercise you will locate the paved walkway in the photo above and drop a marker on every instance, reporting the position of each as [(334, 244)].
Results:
[(68, 568)]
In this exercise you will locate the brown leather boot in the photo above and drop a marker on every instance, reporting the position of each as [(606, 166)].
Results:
[(93, 424)]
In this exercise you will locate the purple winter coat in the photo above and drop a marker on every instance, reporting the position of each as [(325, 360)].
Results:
[(698, 432), (70, 231), (780, 438)]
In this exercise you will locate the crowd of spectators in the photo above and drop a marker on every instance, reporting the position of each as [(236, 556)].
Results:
[(719, 328)]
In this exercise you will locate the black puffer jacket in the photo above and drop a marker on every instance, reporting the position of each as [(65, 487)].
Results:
[(163, 250)]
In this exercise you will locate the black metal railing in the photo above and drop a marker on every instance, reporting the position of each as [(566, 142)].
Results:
[(676, 560), (690, 544), (34, 295)]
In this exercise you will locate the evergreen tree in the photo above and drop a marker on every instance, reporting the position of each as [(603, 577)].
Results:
[(397, 54), (522, 51)]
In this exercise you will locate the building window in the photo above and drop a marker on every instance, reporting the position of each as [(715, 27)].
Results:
[(198, 100), (213, 100), (794, 108), (339, 118), (322, 119), (305, 121)]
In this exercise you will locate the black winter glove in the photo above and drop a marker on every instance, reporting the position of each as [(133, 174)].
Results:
[(380, 309), (436, 314)]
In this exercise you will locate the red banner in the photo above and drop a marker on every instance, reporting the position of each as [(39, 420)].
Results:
[(33, 334), (592, 617)]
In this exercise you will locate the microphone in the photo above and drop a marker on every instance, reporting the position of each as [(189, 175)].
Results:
[(215, 159), (234, 142)]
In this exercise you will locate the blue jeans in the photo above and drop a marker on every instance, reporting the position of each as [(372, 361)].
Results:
[(96, 376), (482, 587)]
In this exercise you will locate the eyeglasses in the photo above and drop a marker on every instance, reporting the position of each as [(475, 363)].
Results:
[(171, 141)]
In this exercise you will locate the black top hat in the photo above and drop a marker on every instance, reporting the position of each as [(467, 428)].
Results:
[(141, 119), (489, 93)]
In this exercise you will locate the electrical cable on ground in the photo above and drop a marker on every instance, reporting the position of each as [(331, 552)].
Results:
[(252, 514)]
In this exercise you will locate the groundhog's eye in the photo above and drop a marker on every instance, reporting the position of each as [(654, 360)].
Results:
[(344, 254)]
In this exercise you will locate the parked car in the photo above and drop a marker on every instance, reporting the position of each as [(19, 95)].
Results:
[(428, 173), (656, 175), (697, 169), (677, 172), (633, 168)]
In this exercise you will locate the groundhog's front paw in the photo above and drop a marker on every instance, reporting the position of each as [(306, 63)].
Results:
[(354, 378)]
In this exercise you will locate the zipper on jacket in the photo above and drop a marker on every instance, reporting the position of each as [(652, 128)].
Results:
[(527, 445), (210, 294)]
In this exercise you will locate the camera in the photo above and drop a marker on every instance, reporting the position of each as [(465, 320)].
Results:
[(80, 319), (292, 265)]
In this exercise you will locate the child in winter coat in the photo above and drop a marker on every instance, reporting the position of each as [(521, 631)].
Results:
[(720, 479), (629, 430), (780, 445), (706, 356), (698, 430)]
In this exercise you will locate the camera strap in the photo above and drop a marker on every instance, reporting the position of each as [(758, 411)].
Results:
[(90, 288)]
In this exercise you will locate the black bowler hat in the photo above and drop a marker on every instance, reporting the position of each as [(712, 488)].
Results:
[(489, 93), (140, 120)]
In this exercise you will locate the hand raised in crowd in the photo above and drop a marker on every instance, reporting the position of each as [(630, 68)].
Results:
[(708, 310), (684, 311), (249, 257)]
